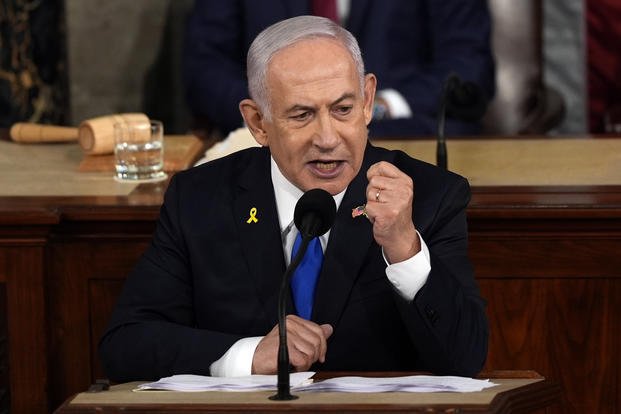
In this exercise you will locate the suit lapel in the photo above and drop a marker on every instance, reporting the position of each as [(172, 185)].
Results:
[(350, 240), (261, 241)]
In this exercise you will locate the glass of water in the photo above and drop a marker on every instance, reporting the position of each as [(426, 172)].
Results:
[(139, 151)]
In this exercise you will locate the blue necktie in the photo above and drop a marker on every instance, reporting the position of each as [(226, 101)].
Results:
[(305, 277)]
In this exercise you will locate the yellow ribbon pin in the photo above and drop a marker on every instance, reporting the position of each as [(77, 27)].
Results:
[(253, 214)]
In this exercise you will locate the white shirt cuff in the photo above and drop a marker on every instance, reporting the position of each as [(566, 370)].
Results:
[(237, 361), (409, 276), (397, 104)]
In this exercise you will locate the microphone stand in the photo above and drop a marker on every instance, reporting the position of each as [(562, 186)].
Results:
[(441, 157), (463, 101), (284, 388)]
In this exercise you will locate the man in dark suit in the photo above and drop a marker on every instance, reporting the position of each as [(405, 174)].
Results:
[(396, 289), (410, 45)]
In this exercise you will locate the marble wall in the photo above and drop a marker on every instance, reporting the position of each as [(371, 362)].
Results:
[(123, 56)]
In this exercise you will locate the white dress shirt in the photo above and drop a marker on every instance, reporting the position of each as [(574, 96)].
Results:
[(407, 276)]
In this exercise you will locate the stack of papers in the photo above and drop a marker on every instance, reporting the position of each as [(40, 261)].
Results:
[(202, 383), (301, 381), (414, 383)]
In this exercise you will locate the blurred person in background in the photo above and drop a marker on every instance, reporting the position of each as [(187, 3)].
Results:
[(411, 45)]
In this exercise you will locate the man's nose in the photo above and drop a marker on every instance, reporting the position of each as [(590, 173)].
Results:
[(326, 134)]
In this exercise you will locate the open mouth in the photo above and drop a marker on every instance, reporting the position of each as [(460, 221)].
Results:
[(326, 169), (323, 165)]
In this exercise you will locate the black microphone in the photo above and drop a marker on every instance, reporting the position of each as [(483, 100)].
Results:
[(313, 216), (464, 101)]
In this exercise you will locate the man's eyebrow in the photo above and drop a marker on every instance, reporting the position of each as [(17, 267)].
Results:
[(344, 97), (300, 107)]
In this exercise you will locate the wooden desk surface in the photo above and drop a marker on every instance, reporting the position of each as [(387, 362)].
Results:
[(59, 170), (548, 177), (525, 162), (63, 170), (525, 389)]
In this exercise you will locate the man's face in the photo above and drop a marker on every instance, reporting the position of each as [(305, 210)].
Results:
[(318, 130)]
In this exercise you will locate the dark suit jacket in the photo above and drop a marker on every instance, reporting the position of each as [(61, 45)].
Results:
[(411, 45), (210, 278)]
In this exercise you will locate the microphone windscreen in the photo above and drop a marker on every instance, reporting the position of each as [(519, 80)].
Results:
[(463, 100), (314, 212), (466, 102)]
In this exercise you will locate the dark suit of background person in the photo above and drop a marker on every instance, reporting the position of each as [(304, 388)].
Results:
[(210, 278), (411, 45)]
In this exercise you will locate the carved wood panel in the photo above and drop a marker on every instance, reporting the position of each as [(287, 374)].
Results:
[(77, 315), (22, 268), (4, 352)]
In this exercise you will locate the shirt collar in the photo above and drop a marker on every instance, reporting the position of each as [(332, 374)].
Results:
[(287, 196)]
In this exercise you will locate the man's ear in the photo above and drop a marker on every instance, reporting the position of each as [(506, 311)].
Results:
[(370, 83), (254, 120)]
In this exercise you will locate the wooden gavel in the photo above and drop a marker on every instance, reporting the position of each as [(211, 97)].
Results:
[(95, 136)]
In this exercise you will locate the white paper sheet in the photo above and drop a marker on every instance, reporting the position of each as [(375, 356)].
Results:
[(414, 383), (301, 381), (195, 383)]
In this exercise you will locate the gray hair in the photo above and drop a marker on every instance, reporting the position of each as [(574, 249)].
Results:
[(283, 34)]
